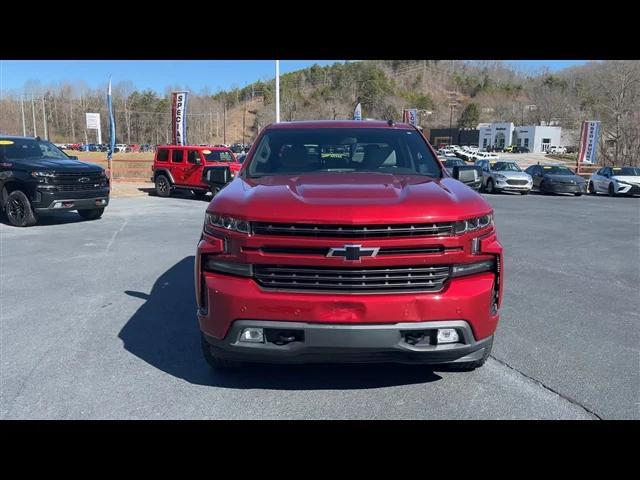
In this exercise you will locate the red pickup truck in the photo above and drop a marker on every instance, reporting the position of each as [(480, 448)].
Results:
[(347, 241), (183, 167)]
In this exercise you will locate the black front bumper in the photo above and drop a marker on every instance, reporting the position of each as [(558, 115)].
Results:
[(340, 343), (564, 188), (45, 200)]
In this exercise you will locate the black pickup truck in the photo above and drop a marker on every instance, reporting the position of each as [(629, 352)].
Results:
[(37, 178)]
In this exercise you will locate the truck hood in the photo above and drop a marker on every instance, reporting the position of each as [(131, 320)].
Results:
[(58, 165), (348, 198)]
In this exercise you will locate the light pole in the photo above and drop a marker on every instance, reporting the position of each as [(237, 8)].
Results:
[(24, 125), (277, 91), (452, 105)]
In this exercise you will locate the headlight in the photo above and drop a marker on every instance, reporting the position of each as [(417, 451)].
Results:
[(500, 177), (472, 224), (210, 264), (472, 268), (228, 223), (42, 174)]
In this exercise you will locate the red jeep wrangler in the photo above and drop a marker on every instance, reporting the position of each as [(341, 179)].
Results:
[(177, 166), (347, 241)]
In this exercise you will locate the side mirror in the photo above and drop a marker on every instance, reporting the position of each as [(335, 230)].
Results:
[(217, 175), (465, 173), (73, 157)]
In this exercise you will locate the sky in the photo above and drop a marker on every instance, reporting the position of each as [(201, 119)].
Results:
[(159, 74)]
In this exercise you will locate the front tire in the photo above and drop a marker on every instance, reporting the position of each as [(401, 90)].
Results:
[(490, 187), (526, 192), (612, 191), (163, 186), (215, 362), (543, 189), (19, 211), (469, 366), (91, 214), (591, 188)]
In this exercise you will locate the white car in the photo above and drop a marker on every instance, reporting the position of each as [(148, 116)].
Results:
[(120, 147), (615, 181), (504, 177), (492, 157), (557, 149)]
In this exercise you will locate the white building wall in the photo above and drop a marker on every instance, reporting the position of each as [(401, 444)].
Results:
[(489, 134), (530, 136), (553, 134)]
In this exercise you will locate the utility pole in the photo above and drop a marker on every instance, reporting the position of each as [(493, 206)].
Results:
[(217, 124), (424, 76), (24, 125), (224, 123), (33, 112), (44, 119), (210, 134), (277, 91), (73, 129)]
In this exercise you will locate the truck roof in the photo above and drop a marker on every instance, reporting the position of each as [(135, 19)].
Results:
[(195, 147), (17, 137), (338, 124)]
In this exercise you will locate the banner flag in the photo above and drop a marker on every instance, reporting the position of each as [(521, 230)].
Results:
[(357, 113), (179, 120)]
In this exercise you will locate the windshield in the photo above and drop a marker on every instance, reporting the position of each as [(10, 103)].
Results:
[(626, 171), (505, 167), (453, 162), (17, 148), (557, 171), (303, 150), (217, 156)]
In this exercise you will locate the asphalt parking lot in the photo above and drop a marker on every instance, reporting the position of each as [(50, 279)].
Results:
[(97, 322)]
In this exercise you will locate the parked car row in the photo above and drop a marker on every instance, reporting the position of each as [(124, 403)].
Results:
[(494, 176), (97, 147)]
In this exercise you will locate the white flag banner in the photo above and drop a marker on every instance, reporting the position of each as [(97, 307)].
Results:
[(589, 139), (410, 116), (357, 113), (179, 112)]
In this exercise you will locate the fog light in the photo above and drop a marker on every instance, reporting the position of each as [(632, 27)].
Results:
[(253, 335), (447, 335)]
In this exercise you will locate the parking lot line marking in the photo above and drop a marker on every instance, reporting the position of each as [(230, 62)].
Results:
[(115, 234)]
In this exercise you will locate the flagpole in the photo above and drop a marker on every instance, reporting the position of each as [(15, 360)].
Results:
[(277, 91), (112, 132)]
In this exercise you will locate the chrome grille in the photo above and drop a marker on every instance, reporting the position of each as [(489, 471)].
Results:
[(353, 231), (421, 278), (325, 250), (517, 182)]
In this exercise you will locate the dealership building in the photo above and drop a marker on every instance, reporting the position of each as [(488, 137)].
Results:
[(453, 136), (502, 134)]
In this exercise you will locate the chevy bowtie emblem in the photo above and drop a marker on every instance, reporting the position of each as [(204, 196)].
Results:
[(84, 179), (353, 253)]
